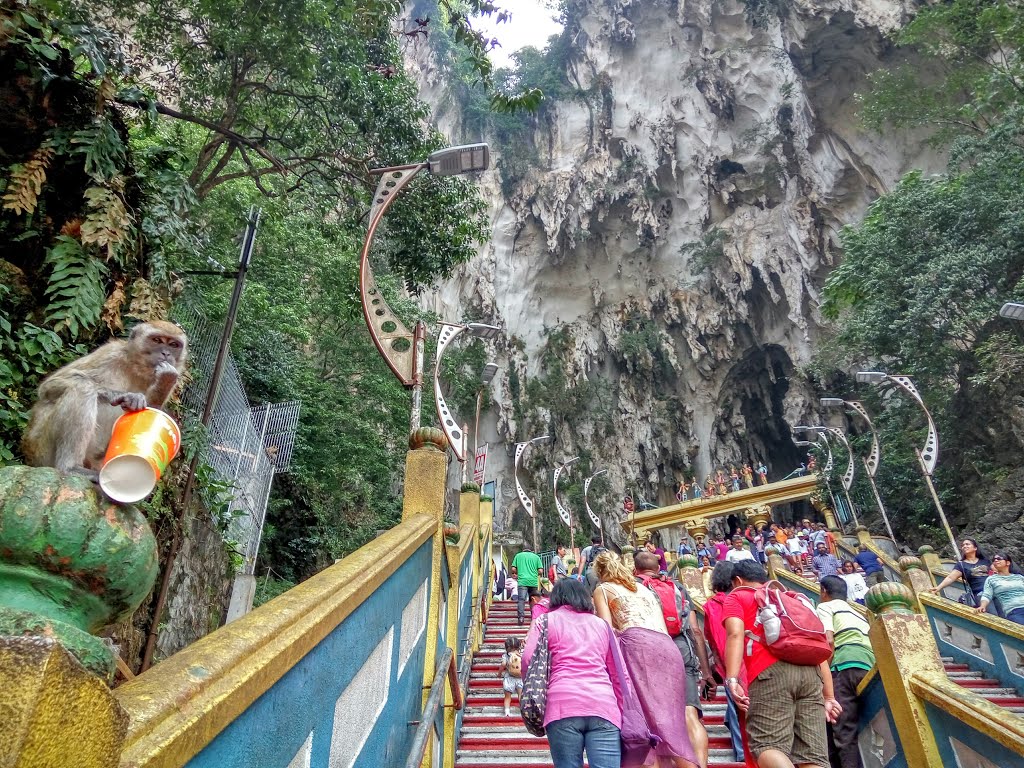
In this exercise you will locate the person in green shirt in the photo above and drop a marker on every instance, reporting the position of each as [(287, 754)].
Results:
[(1006, 588), (852, 659), (529, 566)]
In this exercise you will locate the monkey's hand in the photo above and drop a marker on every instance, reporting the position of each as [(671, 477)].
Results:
[(130, 401), (166, 373)]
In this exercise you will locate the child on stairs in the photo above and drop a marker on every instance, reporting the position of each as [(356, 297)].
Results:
[(511, 670)]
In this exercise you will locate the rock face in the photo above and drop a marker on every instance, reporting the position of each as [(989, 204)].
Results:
[(676, 229)]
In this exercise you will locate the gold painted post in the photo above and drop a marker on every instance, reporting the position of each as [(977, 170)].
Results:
[(864, 537), (932, 562), (469, 514), (426, 479), (54, 711), (904, 646), (487, 525), (914, 578), (691, 577)]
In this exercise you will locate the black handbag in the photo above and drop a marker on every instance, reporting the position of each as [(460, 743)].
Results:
[(534, 698)]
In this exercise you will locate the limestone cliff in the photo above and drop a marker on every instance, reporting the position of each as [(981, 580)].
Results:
[(676, 227)]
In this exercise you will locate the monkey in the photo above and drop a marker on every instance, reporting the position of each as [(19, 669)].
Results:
[(71, 423)]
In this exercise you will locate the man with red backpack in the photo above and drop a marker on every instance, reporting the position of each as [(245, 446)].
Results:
[(782, 643), (681, 622)]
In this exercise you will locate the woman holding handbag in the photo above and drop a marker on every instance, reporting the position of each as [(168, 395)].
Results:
[(581, 703), (651, 658)]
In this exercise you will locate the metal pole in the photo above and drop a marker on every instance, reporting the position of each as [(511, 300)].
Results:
[(418, 343), (476, 424), (248, 242), (878, 499), (938, 506), (853, 511), (533, 517), (465, 446)]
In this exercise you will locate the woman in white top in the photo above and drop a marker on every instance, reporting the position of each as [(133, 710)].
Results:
[(856, 587)]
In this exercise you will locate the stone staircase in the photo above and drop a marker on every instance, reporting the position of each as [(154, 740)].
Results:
[(1009, 699), (490, 739)]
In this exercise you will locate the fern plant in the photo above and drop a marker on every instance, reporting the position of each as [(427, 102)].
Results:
[(75, 290)]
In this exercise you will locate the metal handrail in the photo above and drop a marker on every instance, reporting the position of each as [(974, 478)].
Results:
[(445, 671)]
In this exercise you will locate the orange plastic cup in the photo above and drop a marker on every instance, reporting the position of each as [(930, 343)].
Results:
[(141, 446)]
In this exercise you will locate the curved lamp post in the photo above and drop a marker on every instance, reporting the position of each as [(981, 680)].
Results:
[(456, 435), (401, 348), (822, 442), (563, 512), (874, 456), (590, 513), (927, 456), (525, 500)]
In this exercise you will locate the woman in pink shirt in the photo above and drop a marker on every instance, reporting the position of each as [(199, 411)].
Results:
[(584, 705)]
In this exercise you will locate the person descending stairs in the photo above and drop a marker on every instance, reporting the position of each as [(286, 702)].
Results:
[(489, 739)]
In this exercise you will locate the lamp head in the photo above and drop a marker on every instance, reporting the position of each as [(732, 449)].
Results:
[(1012, 311), (801, 443), (831, 402), (871, 377), (541, 439), (487, 375), (483, 330), (462, 159)]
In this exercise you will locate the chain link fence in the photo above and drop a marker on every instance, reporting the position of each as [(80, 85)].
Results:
[(246, 445)]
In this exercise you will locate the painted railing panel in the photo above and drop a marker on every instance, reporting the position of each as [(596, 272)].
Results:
[(969, 731), (878, 737), (350, 700), (329, 671), (991, 645)]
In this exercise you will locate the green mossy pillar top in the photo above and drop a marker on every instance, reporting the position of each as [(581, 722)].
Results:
[(71, 562)]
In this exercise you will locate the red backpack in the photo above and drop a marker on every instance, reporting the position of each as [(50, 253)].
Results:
[(551, 574), (666, 592), (792, 630)]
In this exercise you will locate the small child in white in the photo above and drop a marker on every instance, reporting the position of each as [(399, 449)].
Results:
[(512, 670)]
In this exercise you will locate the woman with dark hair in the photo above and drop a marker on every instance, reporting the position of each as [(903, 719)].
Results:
[(1004, 588), (972, 569), (583, 713), (652, 660)]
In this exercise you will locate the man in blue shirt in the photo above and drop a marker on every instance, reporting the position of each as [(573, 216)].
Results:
[(868, 560)]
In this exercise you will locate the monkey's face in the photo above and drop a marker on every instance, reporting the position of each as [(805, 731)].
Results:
[(160, 343)]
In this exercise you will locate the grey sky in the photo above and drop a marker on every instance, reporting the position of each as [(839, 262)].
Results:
[(532, 23)]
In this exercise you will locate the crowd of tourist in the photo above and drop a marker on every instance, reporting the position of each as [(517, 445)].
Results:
[(627, 663)]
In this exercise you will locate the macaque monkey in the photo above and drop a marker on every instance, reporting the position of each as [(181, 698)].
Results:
[(71, 423)]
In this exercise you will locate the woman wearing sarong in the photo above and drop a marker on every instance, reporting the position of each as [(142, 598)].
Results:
[(651, 658)]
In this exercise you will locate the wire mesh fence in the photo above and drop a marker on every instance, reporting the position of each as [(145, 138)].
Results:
[(246, 446)]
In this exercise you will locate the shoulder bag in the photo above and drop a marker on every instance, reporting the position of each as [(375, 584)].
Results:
[(534, 697)]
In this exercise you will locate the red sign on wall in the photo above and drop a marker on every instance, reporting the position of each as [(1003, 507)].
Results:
[(480, 465)]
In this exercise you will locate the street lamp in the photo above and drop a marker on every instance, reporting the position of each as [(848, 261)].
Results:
[(449, 332), (564, 512), (874, 457), (847, 478), (590, 513), (401, 348), (1012, 311), (928, 456), (823, 443), (525, 500)]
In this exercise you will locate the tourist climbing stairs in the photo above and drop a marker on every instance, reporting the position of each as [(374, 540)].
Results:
[(490, 739), (993, 690)]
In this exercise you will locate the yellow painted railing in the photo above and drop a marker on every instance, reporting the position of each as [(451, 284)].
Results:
[(770, 494)]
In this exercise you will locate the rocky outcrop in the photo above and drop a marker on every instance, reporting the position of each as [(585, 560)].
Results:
[(689, 196)]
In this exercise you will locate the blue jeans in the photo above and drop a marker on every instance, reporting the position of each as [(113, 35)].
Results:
[(1016, 616), (732, 722), (570, 736)]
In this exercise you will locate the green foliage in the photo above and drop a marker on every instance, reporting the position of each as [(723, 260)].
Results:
[(702, 254), (75, 288), (966, 75)]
